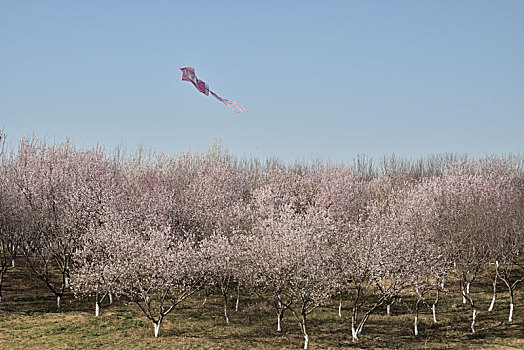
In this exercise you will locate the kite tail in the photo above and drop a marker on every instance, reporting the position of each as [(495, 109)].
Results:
[(230, 104)]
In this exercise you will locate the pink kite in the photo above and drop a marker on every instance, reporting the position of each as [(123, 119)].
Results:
[(188, 74)]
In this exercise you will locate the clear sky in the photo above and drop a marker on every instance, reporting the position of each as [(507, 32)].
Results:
[(323, 79)]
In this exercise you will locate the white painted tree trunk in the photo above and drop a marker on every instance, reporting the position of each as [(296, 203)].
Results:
[(97, 309), (354, 334), (157, 328), (304, 329), (467, 287), (388, 309), (13, 263), (340, 308), (110, 298), (473, 320), (417, 307), (303, 326), (510, 319), (463, 295), (238, 298), (225, 312), (280, 314), (306, 341), (494, 283), (434, 313), (492, 301), (280, 318)]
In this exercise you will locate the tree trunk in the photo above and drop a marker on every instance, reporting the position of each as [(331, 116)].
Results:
[(434, 306), (356, 330), (66, 276), (238, 297), (304, 330), (1, 283), (362, 322), (205, 297), (157, 324), (511, 289), (472, 304), (340, 306), (390, 303), (354, 335), (225, 307), (97, 308), (473, 320), (354, 317), (494, 283), (58, 302), (280, 317), (306, 340), (110, 298), (417, 307), (97, 305), (13, 263)]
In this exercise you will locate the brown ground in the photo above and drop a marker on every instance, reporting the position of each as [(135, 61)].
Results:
[(28, 320)]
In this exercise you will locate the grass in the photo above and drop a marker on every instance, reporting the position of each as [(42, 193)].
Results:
[(28, 319)]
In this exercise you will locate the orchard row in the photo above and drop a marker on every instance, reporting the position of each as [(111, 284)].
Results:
[(155, 229)]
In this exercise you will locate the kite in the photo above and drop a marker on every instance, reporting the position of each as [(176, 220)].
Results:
[(188, 74)]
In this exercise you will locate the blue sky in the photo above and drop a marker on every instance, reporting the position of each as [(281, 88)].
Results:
[(321, 79)]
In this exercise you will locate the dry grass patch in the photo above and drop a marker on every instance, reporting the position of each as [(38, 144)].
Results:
[(28, 319)]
